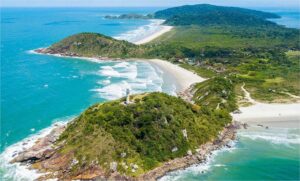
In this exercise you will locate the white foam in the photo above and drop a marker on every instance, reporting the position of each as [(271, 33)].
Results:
[(142, 31), (123, 70), (109, 71), (104, 82), (198, 168), (278, 137), (121, 65), (16, 171), (113, 91), (137, 76)]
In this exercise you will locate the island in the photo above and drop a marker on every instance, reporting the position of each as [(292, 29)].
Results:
[(130, 16), (144, 136)]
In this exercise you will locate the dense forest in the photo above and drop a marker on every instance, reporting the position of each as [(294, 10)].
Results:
[(205, 14), (144, 133)]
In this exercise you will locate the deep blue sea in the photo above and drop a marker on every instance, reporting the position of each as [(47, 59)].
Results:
[(38, 91)]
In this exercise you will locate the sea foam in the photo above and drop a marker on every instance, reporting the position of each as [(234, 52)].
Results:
[(141, 32), (137, 76), (199, 168), (21, 172), (275, 136)]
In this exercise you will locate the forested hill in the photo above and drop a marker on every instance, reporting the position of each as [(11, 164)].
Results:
[(205, 14)]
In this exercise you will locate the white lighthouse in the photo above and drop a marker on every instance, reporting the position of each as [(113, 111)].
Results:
[(127, 96)]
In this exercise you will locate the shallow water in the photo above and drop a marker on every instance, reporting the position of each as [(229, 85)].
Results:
[(258, 154)]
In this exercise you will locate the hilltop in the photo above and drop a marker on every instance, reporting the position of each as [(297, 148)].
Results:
[(93, 45), (130, 140), (205, 14)]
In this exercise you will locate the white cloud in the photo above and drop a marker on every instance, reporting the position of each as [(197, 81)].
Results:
[(143, 3)]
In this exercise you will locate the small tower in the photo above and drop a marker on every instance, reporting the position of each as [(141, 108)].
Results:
[(127, 96)]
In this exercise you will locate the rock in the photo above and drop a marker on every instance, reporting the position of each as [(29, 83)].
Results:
[(113, 166), (42, 149), (174, 149), (189, 152), (135, 166), (123, 154), (237, 111), (245, 125), (184, 132)]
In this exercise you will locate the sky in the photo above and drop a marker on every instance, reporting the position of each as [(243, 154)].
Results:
[(147, 3)]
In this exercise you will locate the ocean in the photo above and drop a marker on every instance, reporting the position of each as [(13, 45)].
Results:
[(39, 91)]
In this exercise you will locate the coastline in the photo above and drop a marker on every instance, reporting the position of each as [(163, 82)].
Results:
[(271, 115), (183, 78), (42, 148), (164, 29), (263, 114)]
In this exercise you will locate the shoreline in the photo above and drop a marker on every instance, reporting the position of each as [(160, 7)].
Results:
[(183, 78), (164, 29), (43, 149), (273, 114)]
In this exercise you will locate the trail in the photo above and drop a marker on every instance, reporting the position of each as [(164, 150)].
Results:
[(247, 95), (291, 95)]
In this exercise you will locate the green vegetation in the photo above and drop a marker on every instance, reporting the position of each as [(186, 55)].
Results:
[(143, 133), (227, 41), (95, 45), (205, 14), (216, 93), (230, 46)]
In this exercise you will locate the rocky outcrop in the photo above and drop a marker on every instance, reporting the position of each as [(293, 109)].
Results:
[(200, 156), (44, 147), (44, 157)]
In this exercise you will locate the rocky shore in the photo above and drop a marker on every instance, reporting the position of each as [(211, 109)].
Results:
[(48, 51), (43, 157), (200, 156)]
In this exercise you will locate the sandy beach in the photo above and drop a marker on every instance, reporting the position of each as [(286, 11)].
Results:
[(151, 37), (183, 78), (275, 115)]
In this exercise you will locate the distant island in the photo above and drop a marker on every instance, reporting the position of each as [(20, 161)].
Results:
[(130, 16), (150, 134)]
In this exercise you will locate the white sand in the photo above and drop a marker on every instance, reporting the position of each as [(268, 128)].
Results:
[(281, 115), (151, 37), (183, 77)]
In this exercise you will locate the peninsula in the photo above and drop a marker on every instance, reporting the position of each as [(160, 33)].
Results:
[(237, 50)]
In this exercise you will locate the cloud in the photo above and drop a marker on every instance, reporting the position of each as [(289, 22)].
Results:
[(144, 3)]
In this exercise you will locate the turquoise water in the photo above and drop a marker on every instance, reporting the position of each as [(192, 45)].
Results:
[(258, 154), (290, 17), (38, 91)]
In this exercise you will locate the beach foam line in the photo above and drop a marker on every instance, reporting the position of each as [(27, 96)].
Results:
[(138, 76), (21, 172), (274, 135), (270, 114), (95, 59), (201, 168), (146, 33), (184, 78)]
